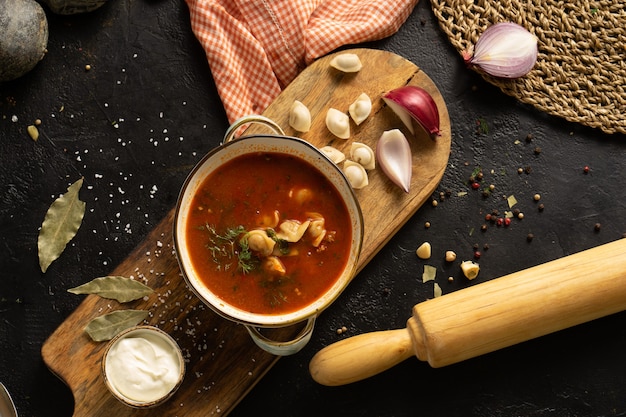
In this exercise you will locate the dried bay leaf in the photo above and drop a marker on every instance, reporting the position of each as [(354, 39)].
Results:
[(106, 327), (62, 221), (117, 288)]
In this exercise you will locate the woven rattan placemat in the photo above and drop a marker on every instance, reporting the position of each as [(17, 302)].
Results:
[(580, 73)]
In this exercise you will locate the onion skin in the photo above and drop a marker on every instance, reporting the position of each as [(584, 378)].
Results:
[(393, 153), (412, 102), (504, 50)]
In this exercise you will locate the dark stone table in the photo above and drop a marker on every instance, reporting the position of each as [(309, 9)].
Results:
[(147, 110)]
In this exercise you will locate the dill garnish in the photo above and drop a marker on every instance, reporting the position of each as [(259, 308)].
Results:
[(225, 248)]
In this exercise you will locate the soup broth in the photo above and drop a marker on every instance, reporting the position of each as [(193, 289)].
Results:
[(243, 233)]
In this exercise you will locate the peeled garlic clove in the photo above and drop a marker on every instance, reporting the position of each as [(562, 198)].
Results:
[(346, 62), (356, 174), (334, 154), (394, 158), (363, 154), (338, 123), (360, 109), (299, 117)]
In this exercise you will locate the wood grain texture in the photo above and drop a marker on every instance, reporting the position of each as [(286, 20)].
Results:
[(223, 363), (486, 317)]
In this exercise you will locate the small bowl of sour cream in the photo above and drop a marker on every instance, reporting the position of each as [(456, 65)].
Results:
[(143, 366)]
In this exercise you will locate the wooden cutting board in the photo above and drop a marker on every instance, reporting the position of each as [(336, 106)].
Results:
[(223, 363)]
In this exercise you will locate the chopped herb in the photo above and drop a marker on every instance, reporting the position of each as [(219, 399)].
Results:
[(483, 127), (224, 247)]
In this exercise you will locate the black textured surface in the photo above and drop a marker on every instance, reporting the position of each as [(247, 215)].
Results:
[(135, 124)]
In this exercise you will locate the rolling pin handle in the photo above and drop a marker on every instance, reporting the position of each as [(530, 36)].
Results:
[(360, 357)]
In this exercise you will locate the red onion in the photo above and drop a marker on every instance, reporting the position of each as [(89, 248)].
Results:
[(505, 50), (394, 158), (414, 103)]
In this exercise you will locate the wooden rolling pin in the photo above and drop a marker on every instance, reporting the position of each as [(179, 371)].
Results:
[(486, 317)]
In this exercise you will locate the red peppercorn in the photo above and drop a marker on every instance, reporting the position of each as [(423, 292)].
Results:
[(586, 169), (477, 254), (500, 221), (475, 185), (507, 221)]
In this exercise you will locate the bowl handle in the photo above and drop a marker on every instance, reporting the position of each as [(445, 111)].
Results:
[(253, 118), (283, 348)]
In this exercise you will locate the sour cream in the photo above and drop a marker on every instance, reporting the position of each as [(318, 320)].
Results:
[(144, 365)]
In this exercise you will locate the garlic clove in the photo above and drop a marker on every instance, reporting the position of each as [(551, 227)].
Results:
[(394, 158), (360, 109), (334, 154), (338, 123), (363, 154), (299, 117), (356, 174), (346, 62)]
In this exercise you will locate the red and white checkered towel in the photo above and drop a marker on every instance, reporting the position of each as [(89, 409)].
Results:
[(255, 48)]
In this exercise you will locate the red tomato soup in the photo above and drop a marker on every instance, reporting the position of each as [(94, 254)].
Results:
[(243, 233)]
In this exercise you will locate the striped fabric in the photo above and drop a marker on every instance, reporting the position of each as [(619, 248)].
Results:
[(255, 48)]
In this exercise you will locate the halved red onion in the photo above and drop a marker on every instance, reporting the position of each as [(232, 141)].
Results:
[(393, 155), (414, 103), (505, 50)]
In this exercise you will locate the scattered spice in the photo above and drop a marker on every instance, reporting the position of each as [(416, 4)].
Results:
[(586, 169), (541, 207), (537, 197), (597, 227), (450, 256), (537, 150), (424, 251), (33, 132), (427, 225), (429, 274), (482, 125), (437, 290), (342, 330), (530, 237), (470, 269)]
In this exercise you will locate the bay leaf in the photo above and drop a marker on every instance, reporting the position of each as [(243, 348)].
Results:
[(107, 326), (117, 288), (60, 225)]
